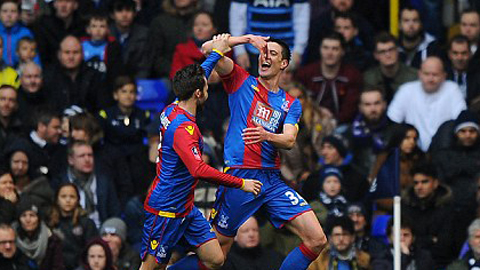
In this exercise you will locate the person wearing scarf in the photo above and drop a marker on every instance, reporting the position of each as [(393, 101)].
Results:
[(35, 239)]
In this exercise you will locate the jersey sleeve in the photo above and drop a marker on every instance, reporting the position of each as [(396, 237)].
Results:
[(185, 144), (294, 113), (209, 64), (235, 79)]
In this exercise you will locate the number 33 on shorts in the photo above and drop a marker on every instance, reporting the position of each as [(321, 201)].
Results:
[(295, 198)]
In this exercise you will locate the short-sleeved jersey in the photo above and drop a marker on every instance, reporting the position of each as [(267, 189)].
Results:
[(179, 165), (250, 102)]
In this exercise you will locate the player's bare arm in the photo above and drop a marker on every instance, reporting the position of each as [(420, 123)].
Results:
[(284, 140)]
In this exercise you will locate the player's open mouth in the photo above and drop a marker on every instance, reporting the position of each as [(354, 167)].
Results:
[(266, 65)]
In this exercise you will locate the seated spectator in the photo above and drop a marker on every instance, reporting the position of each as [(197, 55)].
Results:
[(188, 53), (358, 214), (342, 251), (8, 197), (43, 141), (96, 256), (26, 51), (71, 224), (31, 95), (11, 127), (472, 258), (124, 124), (355, 52), (332, 84), (325, 194), (114, 232), (12, 30), (27, 183), (460, 70), (324, 23), (412, 257), (428, 102), (100, 50), (390, 72), (11, 258), (166, 31), (335, 153), (131, 36), (35, 239), (97, 193), (369, 132), (414, 43), (429, 204), (71, 82), (247, 252), (458, 166), (470, 28), (51, 29), (315, 123)]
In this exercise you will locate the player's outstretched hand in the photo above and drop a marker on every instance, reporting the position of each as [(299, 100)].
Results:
[(220, 42), (255, 135), (252, 186)]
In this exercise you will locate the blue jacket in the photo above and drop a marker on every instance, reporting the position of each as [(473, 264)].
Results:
[(10, 37)]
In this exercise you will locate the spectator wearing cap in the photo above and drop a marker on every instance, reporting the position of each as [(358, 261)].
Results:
[(27, 183), (35, 239), (342, 253), (325, 194), (114, 232), (334, 152), (428, 102), (11, 126), (11, 258), (458, 165), (429, 204), (357, 213), (31, 93)]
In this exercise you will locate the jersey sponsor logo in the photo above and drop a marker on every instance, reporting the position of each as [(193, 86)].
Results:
[(154, 244), (271, 3), (223, 223), (196, 153), (266, 116), (190, 129)]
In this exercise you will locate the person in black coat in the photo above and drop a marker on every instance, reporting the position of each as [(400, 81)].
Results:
[(12, 258)]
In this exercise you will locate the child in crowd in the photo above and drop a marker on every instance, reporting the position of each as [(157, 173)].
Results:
[(11, 30), (26, 52), (124, 124), (100, 50)]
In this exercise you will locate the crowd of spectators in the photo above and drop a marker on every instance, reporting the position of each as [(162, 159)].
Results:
[(77, 155)]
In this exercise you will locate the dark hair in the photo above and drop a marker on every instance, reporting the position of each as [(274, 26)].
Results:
[(25, 39), (410, 8), (121, 81), (459, 39), (384, 37), (187, 80), (286, 53), (347, 16), (13, 2), (378, 89), (343, 222), (209, 14), (469, 10), (334, 36), (97, 16), (7, 86), (44, 116), (108, 254), (399, 134), (88, 123), (119, 5), (425, 168), (405, 223)]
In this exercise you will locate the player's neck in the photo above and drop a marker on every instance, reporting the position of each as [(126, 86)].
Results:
[(271, 84), (189, 106)]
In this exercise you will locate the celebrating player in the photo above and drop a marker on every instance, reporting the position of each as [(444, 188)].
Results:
[(170, 213), (263, 119)]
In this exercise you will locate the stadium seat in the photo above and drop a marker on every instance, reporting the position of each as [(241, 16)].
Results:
[(379, 227), (152, 95)]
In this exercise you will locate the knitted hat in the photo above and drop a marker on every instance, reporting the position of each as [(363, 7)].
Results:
[(338, 142), (114, 226), (26, 204), (356, 208), (467, 119), (331, 171)]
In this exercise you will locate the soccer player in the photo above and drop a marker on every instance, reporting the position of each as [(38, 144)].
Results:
[(263, 119), (170, 213)]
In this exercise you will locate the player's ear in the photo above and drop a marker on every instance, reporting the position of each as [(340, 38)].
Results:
[(284, 64)]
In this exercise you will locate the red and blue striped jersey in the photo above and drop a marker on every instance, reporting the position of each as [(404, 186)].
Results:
[(251, 102), (180, 165)]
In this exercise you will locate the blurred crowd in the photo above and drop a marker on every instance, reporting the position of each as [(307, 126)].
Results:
[(78, 153)]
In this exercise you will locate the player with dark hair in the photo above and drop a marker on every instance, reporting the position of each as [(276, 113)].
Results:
[(263, 119), (169, 210)]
